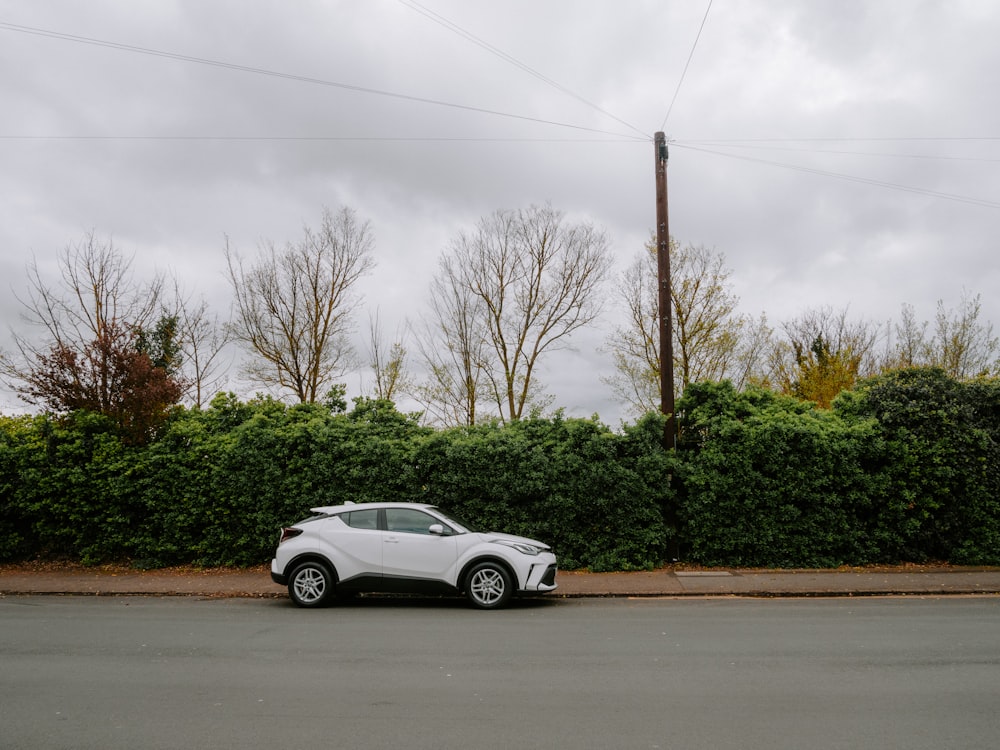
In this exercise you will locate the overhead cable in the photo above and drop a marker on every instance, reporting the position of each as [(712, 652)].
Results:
[(455, 28), (334, 138), (841, 152), (288, 76), (686, 65), (851, 178)]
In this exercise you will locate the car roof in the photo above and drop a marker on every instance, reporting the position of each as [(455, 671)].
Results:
[(349, 506)]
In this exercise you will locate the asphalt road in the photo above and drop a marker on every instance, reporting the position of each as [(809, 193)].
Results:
[(81, 672)]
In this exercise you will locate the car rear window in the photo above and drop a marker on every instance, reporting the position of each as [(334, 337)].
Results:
[(361, 519)]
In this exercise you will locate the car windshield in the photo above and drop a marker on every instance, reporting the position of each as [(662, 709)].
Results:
[(460, 525)]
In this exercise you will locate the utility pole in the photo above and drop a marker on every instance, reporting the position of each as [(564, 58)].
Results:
[(665, 305)]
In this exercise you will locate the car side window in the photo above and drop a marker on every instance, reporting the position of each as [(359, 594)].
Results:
[(362, 519), (409, 521)]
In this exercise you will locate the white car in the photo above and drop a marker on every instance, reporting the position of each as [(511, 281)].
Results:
[(405, 548)]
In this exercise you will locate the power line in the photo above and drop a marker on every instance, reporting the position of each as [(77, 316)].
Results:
[(469, 139), (688, 63), (840, 152), (334, 138), (862, 139), (469, 36), (620, 137), (288, 76), (852, 178)]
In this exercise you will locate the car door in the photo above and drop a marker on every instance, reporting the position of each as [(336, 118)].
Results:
[(410, 550), (357, 545)]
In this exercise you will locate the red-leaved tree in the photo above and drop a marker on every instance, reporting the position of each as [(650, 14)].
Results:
[(109, 376)]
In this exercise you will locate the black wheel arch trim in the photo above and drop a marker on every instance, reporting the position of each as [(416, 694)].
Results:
[(313, 557), (464, 575)]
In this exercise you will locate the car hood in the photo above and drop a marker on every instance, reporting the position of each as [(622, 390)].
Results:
[(497, 536)]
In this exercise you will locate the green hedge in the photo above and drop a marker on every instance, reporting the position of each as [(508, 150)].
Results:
[(596, 496), (904, 468), (938, 467), (216, 485), (771, 482)]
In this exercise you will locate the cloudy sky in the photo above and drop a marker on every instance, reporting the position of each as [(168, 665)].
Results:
[(840, 153)]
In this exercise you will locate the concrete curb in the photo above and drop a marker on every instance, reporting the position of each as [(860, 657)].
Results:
[(75, 581)]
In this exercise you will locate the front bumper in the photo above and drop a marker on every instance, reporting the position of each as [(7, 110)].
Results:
[(542, 576)]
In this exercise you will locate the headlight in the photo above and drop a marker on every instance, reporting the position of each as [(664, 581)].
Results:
[(521, 547)]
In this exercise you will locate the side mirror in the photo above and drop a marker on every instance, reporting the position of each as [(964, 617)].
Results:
[(436, 529)]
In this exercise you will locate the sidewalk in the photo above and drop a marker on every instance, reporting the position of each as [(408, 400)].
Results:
[(257, 583)]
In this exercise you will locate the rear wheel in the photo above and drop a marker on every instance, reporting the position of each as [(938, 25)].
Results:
[(489, 586), (311, 585)]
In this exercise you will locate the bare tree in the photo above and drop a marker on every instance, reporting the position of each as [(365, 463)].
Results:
[(911, 348), (293, 307), (962, 346), (706, 323), (203, 339), (97, 290), (388, 363), (453, 344), (712, 340), (635, 347), (750, 363), (103, 350), (526, 280)]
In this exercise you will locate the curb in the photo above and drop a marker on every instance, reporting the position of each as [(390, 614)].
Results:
[(911, 593)]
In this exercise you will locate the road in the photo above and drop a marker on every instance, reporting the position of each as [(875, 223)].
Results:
[(105, 672)]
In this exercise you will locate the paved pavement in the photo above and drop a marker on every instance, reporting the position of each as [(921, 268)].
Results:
[(668, 582)]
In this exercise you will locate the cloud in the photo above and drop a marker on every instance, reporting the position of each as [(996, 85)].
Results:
[(170, 156)]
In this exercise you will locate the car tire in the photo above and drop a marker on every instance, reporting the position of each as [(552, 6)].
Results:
[(311, 585), (488, 585)]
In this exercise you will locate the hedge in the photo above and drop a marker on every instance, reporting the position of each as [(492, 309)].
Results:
[(906, 467)]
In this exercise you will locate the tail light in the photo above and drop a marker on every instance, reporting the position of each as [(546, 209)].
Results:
[(288, 532)]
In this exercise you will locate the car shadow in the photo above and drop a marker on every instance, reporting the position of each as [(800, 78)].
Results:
[(418, 601)]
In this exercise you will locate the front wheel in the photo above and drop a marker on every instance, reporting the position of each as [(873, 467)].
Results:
[(489, 586), (311, 585)]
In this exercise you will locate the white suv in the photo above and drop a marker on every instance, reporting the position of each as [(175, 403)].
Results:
[(405, 548)]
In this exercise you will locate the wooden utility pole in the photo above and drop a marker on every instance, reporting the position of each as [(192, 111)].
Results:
[(665, 305)]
